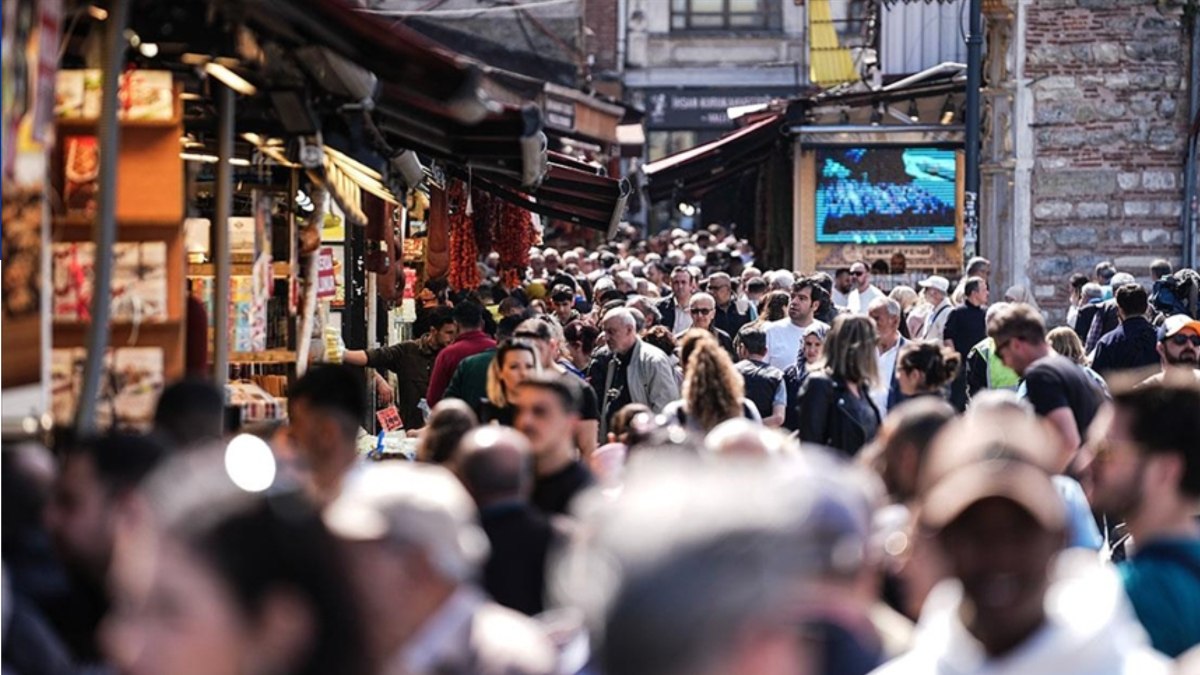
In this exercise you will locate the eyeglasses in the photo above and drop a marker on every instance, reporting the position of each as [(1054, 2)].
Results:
[(857, 274), (1181, 340), (702, 311)]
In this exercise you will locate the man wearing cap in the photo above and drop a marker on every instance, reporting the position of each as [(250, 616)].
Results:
[(1013, 602), (414, 547), (936, 289), (1131, 344), (1178, 349), (1147, 471)]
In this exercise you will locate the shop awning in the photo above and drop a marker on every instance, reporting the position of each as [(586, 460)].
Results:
[(427, 98), (693, 172), (571, 191)]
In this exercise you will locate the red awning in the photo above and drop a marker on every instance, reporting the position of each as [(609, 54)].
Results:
[(693, 172)]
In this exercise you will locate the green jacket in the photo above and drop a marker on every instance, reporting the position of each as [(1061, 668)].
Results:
[(469, 381), (985, 370)]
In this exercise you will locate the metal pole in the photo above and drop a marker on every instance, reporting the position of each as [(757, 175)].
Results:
[(974, 120), (105, 227), (1188, 219), (224, 205)]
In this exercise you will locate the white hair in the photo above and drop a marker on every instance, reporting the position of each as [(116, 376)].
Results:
[(893, 307)]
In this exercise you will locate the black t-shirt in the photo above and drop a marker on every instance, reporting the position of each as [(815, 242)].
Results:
[(965, 327), (591, 407), (553, 493), (1054, 382)]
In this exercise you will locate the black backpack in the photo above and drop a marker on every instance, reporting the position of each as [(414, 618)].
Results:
[(1177, 293)]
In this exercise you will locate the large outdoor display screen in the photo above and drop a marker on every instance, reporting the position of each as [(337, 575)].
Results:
[(868, 195)]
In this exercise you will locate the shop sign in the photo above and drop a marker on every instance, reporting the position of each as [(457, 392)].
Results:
[(326, 277), (560, 112), (680, 108)]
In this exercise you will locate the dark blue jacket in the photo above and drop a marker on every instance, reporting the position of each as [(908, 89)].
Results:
[(1130, 345)]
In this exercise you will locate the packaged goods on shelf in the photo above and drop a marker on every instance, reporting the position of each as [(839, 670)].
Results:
[(130, 386)]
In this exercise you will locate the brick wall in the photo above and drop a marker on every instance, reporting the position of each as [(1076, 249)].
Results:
[(600, 16), (1109, 79)]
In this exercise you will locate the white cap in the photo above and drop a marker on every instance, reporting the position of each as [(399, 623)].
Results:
[(420, 505), (940, 283)]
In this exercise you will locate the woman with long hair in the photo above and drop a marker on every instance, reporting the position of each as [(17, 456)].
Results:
[(926, 369), (835, 405), (1066, 342), (219, 581), (774, 306), (713, 390), (515, 361)]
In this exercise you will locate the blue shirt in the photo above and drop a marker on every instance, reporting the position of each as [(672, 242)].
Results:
[(1162, 580)]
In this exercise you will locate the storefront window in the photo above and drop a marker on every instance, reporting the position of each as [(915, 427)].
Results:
[(725, 15)]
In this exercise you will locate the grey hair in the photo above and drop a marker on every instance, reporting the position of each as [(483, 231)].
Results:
[(893, 307), (1092, 290), (701, 296), (622, 315), (994, 310)]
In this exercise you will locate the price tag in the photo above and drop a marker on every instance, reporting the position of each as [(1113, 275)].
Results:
[(326, 278), (389, 418)]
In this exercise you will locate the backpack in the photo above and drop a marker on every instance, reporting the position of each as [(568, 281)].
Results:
[(1177, 294)]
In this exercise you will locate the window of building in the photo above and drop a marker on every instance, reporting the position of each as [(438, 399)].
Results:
[(726, 15)]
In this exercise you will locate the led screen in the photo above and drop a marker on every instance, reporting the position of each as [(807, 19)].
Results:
[(885, 195)]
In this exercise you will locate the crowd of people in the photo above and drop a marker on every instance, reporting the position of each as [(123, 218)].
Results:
[(656, 458)]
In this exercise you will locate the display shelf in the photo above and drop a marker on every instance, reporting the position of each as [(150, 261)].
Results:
[(267, 356), (280, 270)]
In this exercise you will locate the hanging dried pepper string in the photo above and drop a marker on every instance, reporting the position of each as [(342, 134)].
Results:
[(464, 251)]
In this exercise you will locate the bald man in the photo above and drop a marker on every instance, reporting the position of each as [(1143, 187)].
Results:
[(495, 464)]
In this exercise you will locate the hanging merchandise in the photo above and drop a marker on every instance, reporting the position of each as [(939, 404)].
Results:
[(464, 253), (437, 248), (513, 234)]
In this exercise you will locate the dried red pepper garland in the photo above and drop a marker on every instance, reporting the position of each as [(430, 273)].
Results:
[(513, 235), (464, 253)]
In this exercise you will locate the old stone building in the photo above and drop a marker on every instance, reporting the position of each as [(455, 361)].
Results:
[(1086, 124)]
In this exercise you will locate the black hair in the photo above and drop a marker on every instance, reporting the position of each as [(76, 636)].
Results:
[(259, 545), (1105, 271), (938, 363), (756, 285), (1159, 269), (438, 317), (469, 315), (1163, 420), (566, 388), (753, 338), (335, 388), (917, 421), (1132, 299), (562, 293), (583, 333), (508, 326), (819, 294), (449, 421), (1078, 281), (121, 461), (973, 284), (190, 412), (823, 280), (840, 271)]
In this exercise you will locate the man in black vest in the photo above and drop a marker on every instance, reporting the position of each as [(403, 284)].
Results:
[(764, 382)]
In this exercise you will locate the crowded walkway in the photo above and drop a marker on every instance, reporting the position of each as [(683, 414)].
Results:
[(656, 458)]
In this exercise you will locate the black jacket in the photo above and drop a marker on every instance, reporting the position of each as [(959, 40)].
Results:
[(828, 416), (1105, 321), (1083, 320), (666, 308), (1133, 344), (730, 319), (762, 380)]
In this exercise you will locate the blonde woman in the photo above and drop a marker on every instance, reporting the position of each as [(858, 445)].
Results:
[(713, 390), (516, 360), (835, 403)]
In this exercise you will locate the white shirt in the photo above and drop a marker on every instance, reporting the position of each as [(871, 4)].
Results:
[(935, 322), (683, 319), (839, 299), (887, 368), (784, 339), (859, 302)]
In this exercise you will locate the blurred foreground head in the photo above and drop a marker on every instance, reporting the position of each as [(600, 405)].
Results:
[(223, 581), (716, 567)]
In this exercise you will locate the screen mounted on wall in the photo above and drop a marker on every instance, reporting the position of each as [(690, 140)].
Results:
[(867, 195)]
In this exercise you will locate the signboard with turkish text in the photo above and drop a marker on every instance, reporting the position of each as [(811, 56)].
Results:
[(701, 108), (326, 277)]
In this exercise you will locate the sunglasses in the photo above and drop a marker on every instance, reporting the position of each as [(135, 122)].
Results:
[(703, 311), (1181, 340), (857, 274), (530, 335)]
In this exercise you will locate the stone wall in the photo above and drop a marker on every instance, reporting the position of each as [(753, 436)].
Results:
[(1109, 123)]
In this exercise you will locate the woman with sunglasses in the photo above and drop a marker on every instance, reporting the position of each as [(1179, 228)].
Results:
[(926, 368)]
